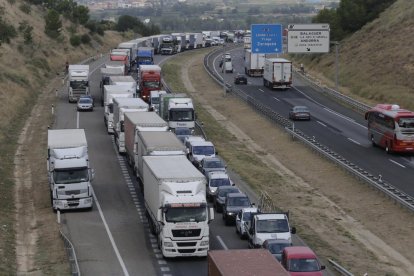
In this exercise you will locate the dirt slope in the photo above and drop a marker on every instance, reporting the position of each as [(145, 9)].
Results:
[(376, 63)]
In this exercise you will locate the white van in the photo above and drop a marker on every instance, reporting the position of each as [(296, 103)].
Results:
[(227, 67)]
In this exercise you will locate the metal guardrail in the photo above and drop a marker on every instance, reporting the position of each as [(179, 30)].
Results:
[(376, 182), (70, 251), (339, 268)]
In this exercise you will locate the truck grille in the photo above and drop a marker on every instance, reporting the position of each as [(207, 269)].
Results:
[(72, 192), (186, 244), (186, 233), (186, 250)]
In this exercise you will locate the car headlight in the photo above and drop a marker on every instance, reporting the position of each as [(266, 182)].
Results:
[(204, 243), (168, 244), (230, 213)]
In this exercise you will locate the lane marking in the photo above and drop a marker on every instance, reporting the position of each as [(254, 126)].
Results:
[(111, 238), (353, 141), (222, 243), (261, 90), (322, 124), (396, 163), (276, 99)]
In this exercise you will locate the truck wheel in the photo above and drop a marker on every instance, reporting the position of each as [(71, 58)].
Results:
[(51, 202)]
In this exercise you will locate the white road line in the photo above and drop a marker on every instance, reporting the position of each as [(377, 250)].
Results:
[(276, 99), (111, 238), (398, 164), (261, 90), (162, 262), (322, 124), (163, 269), (222, 243), (353, 141), (77, 119)]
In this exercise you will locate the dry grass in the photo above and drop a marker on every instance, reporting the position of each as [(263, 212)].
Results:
[(376, 63), (25, 71)]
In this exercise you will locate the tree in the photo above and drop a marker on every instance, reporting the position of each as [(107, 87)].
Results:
[(53, 25), (81, 14)]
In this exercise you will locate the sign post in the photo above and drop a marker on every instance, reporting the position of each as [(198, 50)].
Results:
[(266, 38), (308, 38)]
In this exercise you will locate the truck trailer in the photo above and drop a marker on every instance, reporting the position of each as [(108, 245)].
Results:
[(244, 262), (120, 107), (253, 63), (110, 92), (78, 81), (105, 74), (176, 205), (69, 171), (277, 73)]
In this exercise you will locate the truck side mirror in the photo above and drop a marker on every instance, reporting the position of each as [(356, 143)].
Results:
[(293, 230), (323, 267), (210, 215)]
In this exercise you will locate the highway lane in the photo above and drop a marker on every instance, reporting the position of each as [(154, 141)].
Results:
[(335, 126)]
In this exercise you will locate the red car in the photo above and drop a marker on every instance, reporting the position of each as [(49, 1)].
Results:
[(301, 261)]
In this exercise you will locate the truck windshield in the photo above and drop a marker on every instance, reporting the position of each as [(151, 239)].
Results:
[(144, 60), (73, 175), (272, 226), (303, 265), (183, 115), (203, 150), (186, 214), (219, 182), (151, 84), (78, 84), (406, 122), (155, 100)]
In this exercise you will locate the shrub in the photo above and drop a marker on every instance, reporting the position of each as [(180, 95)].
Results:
[(26, 8), (75, 40), (7, 32), (86, 39), (53, 24)]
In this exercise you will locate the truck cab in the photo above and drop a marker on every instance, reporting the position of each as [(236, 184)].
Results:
[(78, 81), (154, 101), (264, 226)]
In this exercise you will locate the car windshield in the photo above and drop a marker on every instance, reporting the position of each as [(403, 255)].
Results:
[(213, 164), (224, 192), (85, 100), (303, 265), (406, 122), (238, 201), (70, 176), (219, 182), (203, 150), (277, 248), (182, 131), (247, 216), (186, 214), (301, 109), (272, 226)]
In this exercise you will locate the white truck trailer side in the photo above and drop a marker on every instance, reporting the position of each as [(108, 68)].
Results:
[(253, 63), (122, 106), (125, 81), (69, 171), (176, 206), (277, 73), (134, 123), (110, 92)]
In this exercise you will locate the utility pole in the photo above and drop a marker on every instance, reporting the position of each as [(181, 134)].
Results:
[(336, 43)]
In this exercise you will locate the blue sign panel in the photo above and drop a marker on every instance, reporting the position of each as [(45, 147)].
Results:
[(267, 38)]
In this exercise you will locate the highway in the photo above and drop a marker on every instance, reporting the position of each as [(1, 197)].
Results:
[(333, 125)]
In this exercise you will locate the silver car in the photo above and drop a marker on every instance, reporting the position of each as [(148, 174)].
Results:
[(85, 104), (243, 219)]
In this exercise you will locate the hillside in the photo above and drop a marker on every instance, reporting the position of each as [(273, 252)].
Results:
[(27, 72), (375, 63)]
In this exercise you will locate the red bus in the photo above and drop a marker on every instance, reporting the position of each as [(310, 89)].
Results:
[(391, 128)]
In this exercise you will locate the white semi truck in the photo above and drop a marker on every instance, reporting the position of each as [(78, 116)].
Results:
[(178, 110), (120, 107), (78, 81), (134, 123), (176, 205), (69, 171), (106, 72), (110, 92), (277, 73), (253, 63)]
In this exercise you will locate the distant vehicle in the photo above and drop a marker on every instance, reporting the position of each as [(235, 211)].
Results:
[(210, 164), (233, 204), (220, 197), (182, 133), (198, 150), (299, 113), (276, 246), (277, 73), (301, 260), (227, 67), (216, 179), (391, 128), (253, 63), (240, 79), (242, 217), (85, 103)]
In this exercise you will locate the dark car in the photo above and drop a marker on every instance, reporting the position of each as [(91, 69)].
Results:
[(182, 133), (211, 164), (233, 204), (220, 197), (240, 79), (299, 112), (276, 246)]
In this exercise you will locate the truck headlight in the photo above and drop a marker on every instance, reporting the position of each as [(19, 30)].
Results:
[(204, 243), (88, 200), (168, 244)]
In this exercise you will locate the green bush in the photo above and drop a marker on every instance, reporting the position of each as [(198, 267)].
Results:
[(7, 32), (75, 40), (86, 39), (26, 8), (53, 25)]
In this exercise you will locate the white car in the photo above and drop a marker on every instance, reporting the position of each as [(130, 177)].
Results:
[(243, 218), (216, 179)]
